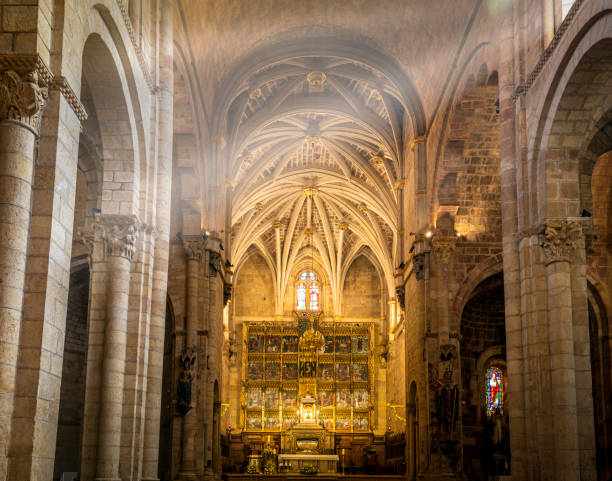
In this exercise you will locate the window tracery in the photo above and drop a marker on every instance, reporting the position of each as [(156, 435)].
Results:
[(307, 292)]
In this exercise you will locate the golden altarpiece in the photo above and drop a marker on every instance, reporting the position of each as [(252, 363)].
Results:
[(332, 363)]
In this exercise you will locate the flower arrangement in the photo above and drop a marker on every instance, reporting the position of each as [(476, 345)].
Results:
[(268, 453), (269, 460), (270, 467), (310, 469), (252, 468)]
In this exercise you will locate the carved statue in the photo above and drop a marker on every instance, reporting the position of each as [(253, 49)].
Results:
[(188, 361), (447, 402), (418, 266), (400, 293), (227, 293), (214, 263)]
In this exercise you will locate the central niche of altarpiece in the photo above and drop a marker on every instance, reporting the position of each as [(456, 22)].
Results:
[(278, 372)]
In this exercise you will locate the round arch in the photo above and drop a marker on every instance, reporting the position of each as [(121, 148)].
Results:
[(555, 144)]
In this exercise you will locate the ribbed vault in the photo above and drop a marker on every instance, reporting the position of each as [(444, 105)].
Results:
[(314, 152)]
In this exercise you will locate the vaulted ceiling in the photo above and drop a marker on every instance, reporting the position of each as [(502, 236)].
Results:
[(312, 133), (314, 148)]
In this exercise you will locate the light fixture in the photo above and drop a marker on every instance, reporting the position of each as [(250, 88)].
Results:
[(428, 234)]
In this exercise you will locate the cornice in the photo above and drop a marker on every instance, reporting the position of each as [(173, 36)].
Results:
[(134, 40), (523, 88)]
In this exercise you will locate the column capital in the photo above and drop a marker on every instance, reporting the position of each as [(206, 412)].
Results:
[(118, 234), (194, 245), (22, 98), (558, 238), (444, 248)]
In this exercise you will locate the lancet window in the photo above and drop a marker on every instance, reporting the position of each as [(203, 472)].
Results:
[(494, 391), (307, 292)]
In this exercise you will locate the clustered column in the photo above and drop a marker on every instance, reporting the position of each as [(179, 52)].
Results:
[(118, 235), (194, 250), (559, 239), (22, 100), (443, 366)]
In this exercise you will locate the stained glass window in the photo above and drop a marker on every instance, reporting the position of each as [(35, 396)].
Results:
[(308, 292), (314, 296), (301, 295), (494, 391)]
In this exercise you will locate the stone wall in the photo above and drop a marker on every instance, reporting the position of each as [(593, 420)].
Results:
[(362, 296), (254, 290)]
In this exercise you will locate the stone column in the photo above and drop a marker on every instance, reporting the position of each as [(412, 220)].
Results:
[(22, 100), (194, 249), (443, 368), (160, 266), (213, 326), (418, 322), (216, 442), (119, 234), (444, 255), (558, 239)]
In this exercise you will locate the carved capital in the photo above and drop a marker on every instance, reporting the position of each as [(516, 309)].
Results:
[(558, 238), (444, 248), (87, 237), (195, 246), (119, 234), (418, 266), (22, 99)]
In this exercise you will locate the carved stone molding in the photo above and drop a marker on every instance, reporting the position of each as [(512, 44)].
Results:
[(444, 248), (123, 8), (418, 266), (558, 238), (61, 84), (22, 99)]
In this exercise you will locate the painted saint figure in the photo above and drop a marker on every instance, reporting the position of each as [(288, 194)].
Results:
[(494, 391)]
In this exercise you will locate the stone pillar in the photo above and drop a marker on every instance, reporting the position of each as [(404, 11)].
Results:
[(559, 239), (514, 218), (443, 369), (444, 272), (213, 326), (160, 266), (22, 100), (216, 439), (194, 249), (119, 235)]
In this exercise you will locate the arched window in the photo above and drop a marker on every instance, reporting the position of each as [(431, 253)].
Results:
[(308, 292), (494, 390)]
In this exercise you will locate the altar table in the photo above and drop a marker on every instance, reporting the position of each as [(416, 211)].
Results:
[(326, 463)]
